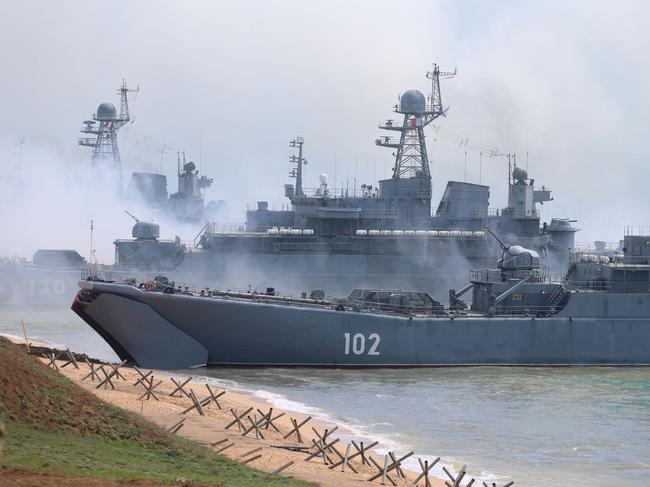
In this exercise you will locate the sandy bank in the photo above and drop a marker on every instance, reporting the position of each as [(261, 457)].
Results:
[(210, 429)]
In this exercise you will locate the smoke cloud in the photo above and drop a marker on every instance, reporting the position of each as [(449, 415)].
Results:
[(230, 83)]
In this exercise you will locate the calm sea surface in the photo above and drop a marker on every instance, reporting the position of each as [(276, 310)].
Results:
[(576, 426)]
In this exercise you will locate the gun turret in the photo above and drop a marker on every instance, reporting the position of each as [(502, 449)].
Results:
[(515, 257), (144, 230)]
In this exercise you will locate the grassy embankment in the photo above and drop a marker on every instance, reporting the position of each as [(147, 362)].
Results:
[(56, 430)]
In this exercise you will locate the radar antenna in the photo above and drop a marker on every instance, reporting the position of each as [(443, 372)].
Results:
[(411, 159)]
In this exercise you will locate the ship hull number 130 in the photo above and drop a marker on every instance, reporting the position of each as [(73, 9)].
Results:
[(358, 344)]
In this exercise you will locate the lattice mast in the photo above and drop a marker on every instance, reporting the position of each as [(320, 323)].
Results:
[(411, 159), (104, 126), (297, 162)]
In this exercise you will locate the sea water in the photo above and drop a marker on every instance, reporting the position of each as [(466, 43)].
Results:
[(569, 426)]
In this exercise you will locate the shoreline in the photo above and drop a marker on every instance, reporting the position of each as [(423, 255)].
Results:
[(165, 414)]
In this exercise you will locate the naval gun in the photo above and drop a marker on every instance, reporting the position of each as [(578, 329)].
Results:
[(517, 267), (515, 258), (144, 230)]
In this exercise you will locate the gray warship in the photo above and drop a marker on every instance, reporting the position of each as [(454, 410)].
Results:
[(596, 313), (383, 235)]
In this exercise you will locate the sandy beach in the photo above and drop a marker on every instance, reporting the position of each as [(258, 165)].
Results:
[(218, 429)]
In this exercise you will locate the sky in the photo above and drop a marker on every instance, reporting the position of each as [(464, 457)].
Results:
[(561, 84)]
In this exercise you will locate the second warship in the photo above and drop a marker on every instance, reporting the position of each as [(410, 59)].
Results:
[(383, 236)]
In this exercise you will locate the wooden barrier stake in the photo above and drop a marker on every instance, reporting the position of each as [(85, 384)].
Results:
[(296, 429), (195, 405), (25, 335), (225, 447), (362, 450), (52, 363), (345, 459), (238, 418), (116, 369), (252, 459), (150, 389), (114, 372), (254, 426), (142, 379), (268, 419), (426, 470), (381, 472), (212, 397), (107, 379), (254, 450), (92, 374), (203, 402), (398, 469), (383, 478), (321, 449), (67, 354), (177, 426), (509, 484), (457, 480), (216, 443), (180, 387), (393, 466), (283, 467), (323, 439), (359, 452)]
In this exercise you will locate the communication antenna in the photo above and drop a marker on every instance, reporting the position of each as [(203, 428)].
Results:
[(123, 91), (165, 148), (91, 253), (490, 151)]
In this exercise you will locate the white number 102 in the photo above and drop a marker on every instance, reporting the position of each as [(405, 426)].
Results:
[(358, 343)]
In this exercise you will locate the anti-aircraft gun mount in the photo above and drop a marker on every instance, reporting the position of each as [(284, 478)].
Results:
[(517, 286), (144, 230), (147, 251)]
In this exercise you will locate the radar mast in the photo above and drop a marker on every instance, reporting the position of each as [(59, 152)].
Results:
[(104, 126), (411, 159)]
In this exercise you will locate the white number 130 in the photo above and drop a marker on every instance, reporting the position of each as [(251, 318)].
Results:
[(358, 343)]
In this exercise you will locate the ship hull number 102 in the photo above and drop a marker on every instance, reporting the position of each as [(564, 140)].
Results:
[(358, 344)]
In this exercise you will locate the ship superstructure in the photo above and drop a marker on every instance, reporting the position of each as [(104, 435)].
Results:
[(187, 204), (401, 204)]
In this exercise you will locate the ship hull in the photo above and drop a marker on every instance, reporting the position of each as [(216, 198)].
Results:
[(158, 330), (32, 286)]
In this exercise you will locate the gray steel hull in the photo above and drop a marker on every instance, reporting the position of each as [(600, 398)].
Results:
[(174, 331)]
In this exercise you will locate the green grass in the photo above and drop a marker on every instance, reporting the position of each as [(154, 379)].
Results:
[(64, 453)]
